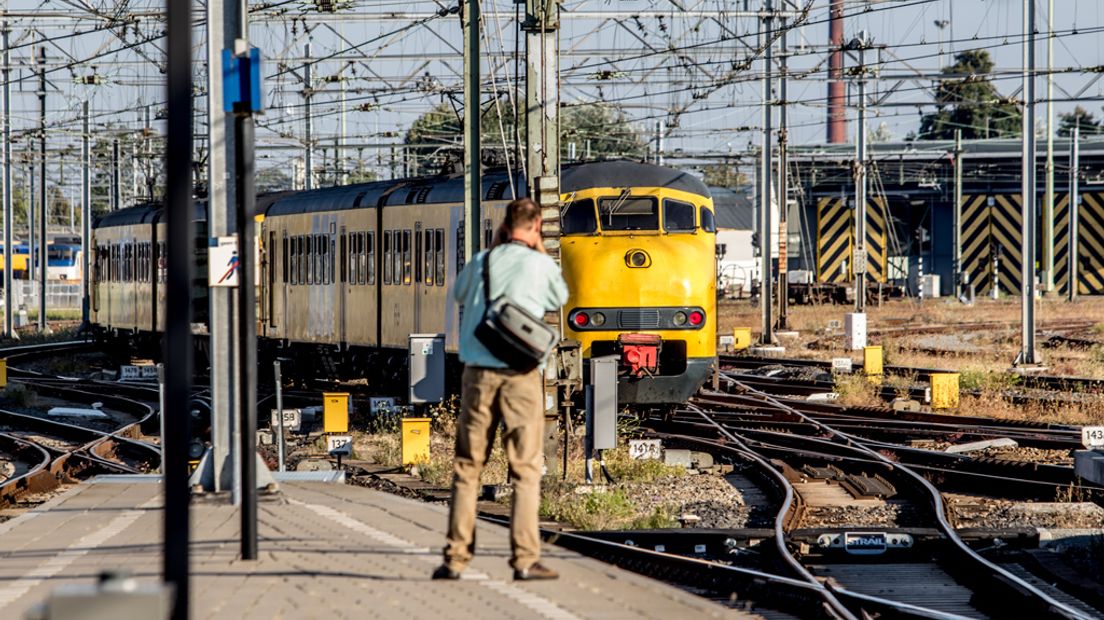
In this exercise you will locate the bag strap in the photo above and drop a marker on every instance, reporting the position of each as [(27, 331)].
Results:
[(487, 278)]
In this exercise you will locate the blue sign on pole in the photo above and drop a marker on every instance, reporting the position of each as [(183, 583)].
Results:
[(241, 81)]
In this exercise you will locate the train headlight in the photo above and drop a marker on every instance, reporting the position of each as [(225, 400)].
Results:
[(598, 319), (581, 319), (697, 317), (196, 450), (680, 318)]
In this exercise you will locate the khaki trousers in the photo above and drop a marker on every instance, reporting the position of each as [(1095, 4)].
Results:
[(490, 396)]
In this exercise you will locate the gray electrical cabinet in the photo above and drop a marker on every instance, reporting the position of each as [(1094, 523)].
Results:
[(603, 380), (427, 368)]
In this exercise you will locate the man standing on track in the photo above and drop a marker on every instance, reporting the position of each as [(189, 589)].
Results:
[(492, 393)]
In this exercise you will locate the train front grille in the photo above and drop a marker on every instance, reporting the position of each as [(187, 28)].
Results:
[(638, 318)]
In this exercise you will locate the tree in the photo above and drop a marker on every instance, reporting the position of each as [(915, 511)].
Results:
[(971, 103), (723, 175), (435, 141), (1082, 118)]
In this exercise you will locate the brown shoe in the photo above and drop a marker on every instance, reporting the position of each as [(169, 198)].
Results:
[(536, 572)]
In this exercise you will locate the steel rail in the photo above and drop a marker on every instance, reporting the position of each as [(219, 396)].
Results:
[(1003, 577)]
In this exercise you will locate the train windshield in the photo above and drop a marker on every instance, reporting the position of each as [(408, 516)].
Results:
[(579, 218), (678, 216), (629, 213), (61, 253)]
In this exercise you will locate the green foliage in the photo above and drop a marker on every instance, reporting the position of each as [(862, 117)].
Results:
[(724, 175), (625, 469), (970, 103), (20, 395), (596, 510), (973, 379), (435, 139), (661, 518), (1082, 118)]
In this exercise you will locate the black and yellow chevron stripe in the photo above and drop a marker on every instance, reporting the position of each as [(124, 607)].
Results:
[(990, 230), (1061, 244), (1090, 246), (974, 240), (833, 240), (876, 247), (1006, 226)]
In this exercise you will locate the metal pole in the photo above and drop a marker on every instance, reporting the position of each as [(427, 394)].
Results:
[(339, 152), (9, 220), (247, 333), (1048, 198), (178, 317), (161, 411), (222, 20), (1074, 215), (148, 152), (116, 202), (42, 207), (308, 129), (86, 213), (766, 294), (957, 225), (472, 162), (858, 259), (279, 414), (1028, 198), (783, 190)]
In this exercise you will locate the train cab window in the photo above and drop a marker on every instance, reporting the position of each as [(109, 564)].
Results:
[(368, 259), (678, 216), (428, 255), (407, 264), (439, 255), (579, 218), (387, 265), (707, 222), (629, 213)]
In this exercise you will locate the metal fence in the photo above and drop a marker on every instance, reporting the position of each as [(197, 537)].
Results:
[(59, 295)]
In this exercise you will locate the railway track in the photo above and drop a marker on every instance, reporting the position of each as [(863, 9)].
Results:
[(51, 452), (808, 456)]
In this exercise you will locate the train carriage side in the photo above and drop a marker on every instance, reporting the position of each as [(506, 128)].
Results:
[(638, 250), (122, 266)]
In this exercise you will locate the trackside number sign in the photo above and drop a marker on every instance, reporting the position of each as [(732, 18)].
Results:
[(1092, 436)]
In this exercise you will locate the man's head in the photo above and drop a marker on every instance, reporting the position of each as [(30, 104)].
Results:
[(523, 221)]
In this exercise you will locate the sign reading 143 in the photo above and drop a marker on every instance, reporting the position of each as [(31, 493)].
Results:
[(1092, 436)]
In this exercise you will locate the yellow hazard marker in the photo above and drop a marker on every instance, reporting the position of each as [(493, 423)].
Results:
[(415, 441), (3, 372), (944, 390), (741, 338), (873, 358), (335, 412)]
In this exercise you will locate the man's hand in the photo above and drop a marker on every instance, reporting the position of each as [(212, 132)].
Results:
[(539, 246)]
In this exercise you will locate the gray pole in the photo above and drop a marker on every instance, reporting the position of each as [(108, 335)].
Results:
[(115, 178), (222, 20), (148, 152), (339, 152), (472, 161), (308, 129), (1027, 237), (1074, 208), (957, 224), (86, 213), (766, 293), (9, 220), (1048, 199), (858, 259), (279, 414), (783, 190), (42, 207)]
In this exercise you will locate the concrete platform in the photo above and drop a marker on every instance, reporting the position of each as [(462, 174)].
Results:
[(326, 551)]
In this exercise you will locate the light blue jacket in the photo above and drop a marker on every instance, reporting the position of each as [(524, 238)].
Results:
[(528, 278)]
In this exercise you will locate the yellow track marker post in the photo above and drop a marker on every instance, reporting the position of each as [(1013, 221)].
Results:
[(415, 441), (944, 390), (873, 358), (335, 412)]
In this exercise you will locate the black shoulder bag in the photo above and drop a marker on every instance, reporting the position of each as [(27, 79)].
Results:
[(510, 332)]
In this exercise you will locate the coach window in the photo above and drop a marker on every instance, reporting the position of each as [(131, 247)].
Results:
[(629, 213), (707, 223), (406, 258), (284, 257), (678, 216), (439, 255), (488, 233), (369, 257), (578, 218), (419, 248), (346, 257), (429, 254), (291, 265), (332, 255), (387, 257)]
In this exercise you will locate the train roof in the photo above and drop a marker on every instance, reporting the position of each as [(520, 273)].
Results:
[(496, 186), (140, 214)]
